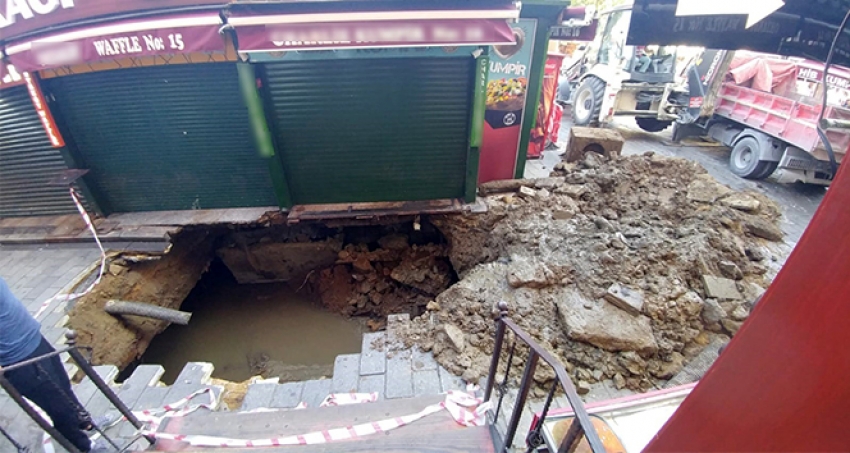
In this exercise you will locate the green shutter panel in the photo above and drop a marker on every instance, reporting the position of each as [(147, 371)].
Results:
[(365, 130), (28, 161), (164, 138)]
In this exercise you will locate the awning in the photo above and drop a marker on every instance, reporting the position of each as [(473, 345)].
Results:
[(373, 29), (132, 38)]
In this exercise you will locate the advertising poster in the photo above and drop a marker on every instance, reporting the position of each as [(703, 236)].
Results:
[(507, 85)]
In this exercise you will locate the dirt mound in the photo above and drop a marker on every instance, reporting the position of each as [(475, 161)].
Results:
[(624, 269)]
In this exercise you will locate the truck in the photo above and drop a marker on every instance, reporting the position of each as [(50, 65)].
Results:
[(622, 80), (766, 110)]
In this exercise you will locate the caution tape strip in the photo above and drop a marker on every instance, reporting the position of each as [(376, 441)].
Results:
[(74, 296), (464, 408)]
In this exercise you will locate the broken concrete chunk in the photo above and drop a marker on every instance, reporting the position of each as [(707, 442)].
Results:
[(116, 269), (547, 183), (740, 313), (731, 325), (562, 214), (503, 185), (730, 270), (362, 265), (626, 298), (705, 189), (741, 202), (543, 194), (712, 312), (720, 288), (455, 337), (572, 190), (762, 228), (433, 306), (604, 325), (527, 192), (582, 387), (394, 242), (527, 272), (672, 367)]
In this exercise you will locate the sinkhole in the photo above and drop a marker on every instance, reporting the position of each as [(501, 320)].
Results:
[(275, 301)]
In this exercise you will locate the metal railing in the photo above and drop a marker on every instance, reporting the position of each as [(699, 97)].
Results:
[(581, 425), (86, 422)]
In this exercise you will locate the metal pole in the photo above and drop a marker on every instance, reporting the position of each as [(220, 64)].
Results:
[(524, 387), (502, 308), (47, 427), (84, 365)]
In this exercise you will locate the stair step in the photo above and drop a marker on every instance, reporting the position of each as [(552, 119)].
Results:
[(346, 373), (373, 355), (434, 433), (258, 396), (315, 392), (287, 395)]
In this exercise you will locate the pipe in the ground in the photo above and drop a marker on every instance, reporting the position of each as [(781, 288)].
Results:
[(122, 307)]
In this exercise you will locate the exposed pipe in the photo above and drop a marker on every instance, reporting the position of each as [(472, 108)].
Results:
[(121, 307)]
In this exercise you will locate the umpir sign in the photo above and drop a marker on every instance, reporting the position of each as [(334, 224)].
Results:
[(20, 17), (507, 85), (800, 28), (155, 36)]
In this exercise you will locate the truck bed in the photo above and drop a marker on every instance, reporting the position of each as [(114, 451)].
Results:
[(792, 121)]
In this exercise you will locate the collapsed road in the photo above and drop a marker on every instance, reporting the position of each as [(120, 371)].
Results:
[(626, 269)]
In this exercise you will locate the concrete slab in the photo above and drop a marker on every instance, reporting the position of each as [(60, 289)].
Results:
[(372, 384), (399, 375), (315, 392), (258, 396), (426, 382), (373, 355), (287, 396), (346, 373)]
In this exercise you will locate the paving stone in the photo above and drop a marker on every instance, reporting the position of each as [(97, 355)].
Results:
[(399, 375), (287, 395), (375, 383), (422, 361), (426, 382), (373, 355), (448, 381), (152, 398), (315, 392), (143, 377), (258, 396), (85, 390), (195, 373), (720, 288), (346, 373)]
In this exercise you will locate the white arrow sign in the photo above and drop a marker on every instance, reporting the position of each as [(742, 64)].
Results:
[(755, 10)]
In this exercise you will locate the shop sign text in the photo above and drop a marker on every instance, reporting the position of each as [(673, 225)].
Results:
[(28, 9)]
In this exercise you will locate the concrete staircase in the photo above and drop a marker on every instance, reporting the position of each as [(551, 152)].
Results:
[(382, 367)]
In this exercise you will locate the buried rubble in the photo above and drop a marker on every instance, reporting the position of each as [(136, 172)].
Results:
[(660, 227)]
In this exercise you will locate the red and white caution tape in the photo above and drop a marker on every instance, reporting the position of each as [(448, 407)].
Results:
[(464, 408), (73, 296)]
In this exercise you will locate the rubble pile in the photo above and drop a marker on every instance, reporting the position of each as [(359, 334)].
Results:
[(624, 269), (395, 277)]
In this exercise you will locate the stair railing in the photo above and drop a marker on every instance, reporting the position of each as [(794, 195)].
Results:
[(76, 354), (581, 426)]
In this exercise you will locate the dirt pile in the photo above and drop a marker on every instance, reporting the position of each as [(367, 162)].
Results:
[(624, 269), (395, 277), (158, 280)]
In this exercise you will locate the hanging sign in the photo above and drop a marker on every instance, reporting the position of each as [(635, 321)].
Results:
[(43, 112), (507, 84), (156, 36)]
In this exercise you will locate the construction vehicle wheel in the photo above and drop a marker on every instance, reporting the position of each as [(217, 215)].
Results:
[(744, 160), (587, 103), (652, 124)]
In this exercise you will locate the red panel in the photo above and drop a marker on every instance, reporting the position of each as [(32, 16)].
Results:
[(782, 384)]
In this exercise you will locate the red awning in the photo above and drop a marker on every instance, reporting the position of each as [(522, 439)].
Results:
[(131, 38), (268, 33)]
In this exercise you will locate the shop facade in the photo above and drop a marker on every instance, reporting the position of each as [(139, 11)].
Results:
[(205, 105)]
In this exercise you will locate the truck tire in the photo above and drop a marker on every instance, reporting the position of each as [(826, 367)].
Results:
[(587, 104), (744, 160), (652, 124)]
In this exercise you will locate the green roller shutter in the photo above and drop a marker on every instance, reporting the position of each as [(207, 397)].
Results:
[(28, 161), (366, 130), (164, 138)]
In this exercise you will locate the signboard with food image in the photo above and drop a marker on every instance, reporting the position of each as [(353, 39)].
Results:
[(507, 85)]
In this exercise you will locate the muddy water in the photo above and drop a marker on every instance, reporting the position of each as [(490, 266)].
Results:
[(246, 330)]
